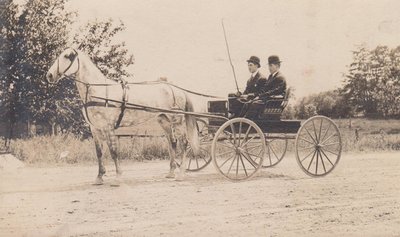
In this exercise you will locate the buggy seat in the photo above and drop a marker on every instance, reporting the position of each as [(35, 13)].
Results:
[(271, 109)]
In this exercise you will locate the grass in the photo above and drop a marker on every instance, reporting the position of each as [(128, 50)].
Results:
[(70, 149), (373, 135), (369, 134)]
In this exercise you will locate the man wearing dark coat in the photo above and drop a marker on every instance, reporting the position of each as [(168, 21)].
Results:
[(276, 82), (257, 80), (254, 87), (259, 89)]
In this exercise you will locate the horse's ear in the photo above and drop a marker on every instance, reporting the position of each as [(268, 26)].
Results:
[(71, 55)]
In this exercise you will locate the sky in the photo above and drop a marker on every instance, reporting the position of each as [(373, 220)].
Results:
[(183, 40)]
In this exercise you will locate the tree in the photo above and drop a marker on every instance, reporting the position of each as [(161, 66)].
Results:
[(33, 36), (372, 84), (111, 58), (37, 33)]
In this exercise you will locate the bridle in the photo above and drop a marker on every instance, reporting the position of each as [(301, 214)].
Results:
[(62, 75)]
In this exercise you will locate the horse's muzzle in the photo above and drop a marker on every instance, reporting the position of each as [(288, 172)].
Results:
[(50, 77)]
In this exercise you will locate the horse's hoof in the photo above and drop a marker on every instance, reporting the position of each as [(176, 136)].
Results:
[(170, 176), (116, 182), (98, 181), (179, 178)]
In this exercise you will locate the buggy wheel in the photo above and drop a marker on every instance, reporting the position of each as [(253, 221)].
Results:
[(318, 146), (196, 163), (238, 149), (276, 150)]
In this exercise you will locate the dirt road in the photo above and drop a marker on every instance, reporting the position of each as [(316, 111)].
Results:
[(361, 197)]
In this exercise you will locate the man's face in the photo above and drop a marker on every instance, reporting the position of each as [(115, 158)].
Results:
[(252, 67), (273, 68)]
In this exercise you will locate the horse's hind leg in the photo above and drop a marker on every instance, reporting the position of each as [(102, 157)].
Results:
[(99, 153), (166, 126)]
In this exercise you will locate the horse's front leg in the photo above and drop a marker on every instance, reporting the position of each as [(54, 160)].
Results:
[(99, 152)]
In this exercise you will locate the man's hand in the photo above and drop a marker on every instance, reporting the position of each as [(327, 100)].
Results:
[(238, 94), (248, 96)]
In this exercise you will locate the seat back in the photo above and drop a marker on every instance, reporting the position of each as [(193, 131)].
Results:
[(275, 106)]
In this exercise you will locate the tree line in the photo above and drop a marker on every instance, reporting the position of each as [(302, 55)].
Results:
[(371, 88), (34, 34)]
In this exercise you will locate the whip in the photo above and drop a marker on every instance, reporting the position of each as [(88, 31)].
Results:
[(229, 55)]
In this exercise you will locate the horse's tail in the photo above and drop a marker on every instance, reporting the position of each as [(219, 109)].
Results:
[(191, 128)]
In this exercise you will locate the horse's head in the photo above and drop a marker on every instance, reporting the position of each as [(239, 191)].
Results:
[(66, 64)]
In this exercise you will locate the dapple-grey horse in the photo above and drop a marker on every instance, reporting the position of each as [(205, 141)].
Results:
[(105, 108)]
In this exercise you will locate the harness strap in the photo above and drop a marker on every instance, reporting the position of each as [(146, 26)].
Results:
[(123, 106), (85, 104)]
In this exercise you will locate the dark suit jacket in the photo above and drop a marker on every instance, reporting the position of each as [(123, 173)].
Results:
[(275, 85), (255, 84)]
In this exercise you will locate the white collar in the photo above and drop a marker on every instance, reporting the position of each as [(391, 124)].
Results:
[(274, 74), (254, 73)]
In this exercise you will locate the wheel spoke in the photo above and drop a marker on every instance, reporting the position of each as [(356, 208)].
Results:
[(237, 165), (327, 157), (269, 154), (315, 142), (226, 145), (307, 156), (250, 160), (306, 148), (225, 153), (307, 140), (331, 144), (234, 133), (244, 167), (248, 141), (204, 159), (312, 159), (322, 161), (228, 139), (276, 156), (315, 131), (240, 132), (252, 147), (333, 134), (326, 132), (316, 166), (197, 162), (251, 154), (233, 161), (190, 161), (336, 154), (320, 129)]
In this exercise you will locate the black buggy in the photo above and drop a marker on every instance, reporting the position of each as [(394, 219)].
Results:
[(241, 146)]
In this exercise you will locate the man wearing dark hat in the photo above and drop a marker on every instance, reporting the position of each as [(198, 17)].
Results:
[(257, 80), (276, 82), (254, 87)]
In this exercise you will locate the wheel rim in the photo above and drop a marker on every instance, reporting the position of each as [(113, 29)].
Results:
[(276, 150), (318, 146), (238, 149), (196, 163)]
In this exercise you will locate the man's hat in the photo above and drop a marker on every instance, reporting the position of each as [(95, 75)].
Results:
[(255, 60), (273, 59)]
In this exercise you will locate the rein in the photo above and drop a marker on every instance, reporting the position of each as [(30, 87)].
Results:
[(178, 87)]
